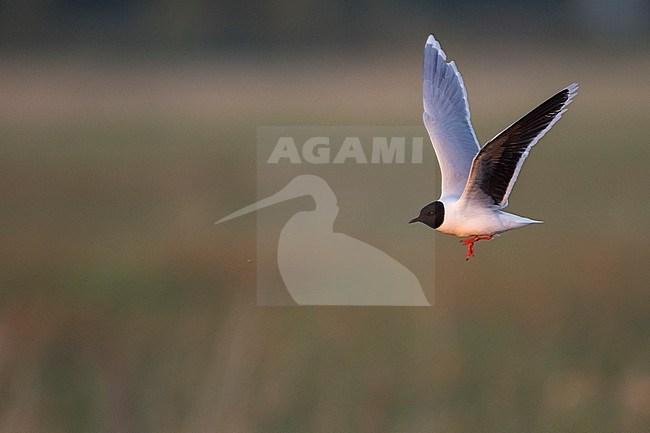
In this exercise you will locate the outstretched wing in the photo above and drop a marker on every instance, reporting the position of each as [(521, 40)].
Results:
[(496, 167), (446, 117)]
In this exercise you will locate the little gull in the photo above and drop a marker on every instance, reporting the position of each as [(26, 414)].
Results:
[(476, 182)]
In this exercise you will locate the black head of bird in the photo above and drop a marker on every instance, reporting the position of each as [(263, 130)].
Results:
[(432, 215)]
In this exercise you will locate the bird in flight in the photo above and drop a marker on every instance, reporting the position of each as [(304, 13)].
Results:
[(476, 181)]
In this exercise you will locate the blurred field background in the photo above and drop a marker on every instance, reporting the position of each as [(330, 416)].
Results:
[(128, 128)]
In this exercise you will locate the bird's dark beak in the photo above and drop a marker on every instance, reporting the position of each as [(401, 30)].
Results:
[(414, 220)]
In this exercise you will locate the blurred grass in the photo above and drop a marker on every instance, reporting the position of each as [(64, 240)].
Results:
[(124, 309)]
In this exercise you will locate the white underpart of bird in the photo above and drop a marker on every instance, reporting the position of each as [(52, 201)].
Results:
[(476, 182)]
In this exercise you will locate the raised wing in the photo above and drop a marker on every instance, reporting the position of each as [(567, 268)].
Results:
[(496, 167), (446, 117)]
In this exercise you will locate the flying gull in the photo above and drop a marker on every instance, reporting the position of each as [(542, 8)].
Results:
[(476, 182)]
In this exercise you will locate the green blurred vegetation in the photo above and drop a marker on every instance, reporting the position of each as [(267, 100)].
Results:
[(123, 308), (169, 26)]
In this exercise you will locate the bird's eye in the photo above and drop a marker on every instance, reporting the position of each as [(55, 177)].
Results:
[(430, 213)]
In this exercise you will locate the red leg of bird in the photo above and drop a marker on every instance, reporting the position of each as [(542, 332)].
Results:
[(470, 250), (470, 244)]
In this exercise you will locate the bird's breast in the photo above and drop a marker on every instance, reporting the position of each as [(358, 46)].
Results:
[(466, 221)]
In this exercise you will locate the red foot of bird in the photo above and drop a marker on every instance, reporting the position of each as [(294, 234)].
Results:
[(470, 244)]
